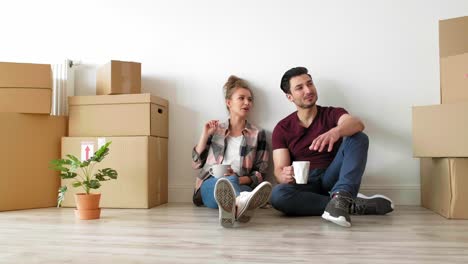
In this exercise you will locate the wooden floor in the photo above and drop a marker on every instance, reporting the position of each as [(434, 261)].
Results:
[(182, 233)]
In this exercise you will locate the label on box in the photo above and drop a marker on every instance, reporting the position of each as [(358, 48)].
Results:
[(87, 150), (101, 142)]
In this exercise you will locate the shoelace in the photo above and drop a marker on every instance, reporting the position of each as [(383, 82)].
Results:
[(343, 202), (357, 207)]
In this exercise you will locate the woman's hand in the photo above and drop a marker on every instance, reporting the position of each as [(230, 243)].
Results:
[(229, 172), (245, 180), (210, 127)]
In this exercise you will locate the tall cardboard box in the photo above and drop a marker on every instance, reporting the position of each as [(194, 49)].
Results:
[(141, 164), (440, 130), (25, 88), (444, 182), (29, 142), (119, 77), (118, 115), (453, 49)]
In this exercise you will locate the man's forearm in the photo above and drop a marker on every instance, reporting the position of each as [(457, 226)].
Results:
[(277, 174), (350, 127)]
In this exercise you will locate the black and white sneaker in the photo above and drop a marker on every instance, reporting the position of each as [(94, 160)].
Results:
[(337, 210), (225, 196), (371, 205)]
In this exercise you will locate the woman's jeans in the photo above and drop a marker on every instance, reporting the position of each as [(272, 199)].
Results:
[(344, 174), (208, 186)]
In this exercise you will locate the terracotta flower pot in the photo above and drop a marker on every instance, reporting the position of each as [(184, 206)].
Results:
[(88, 214), (87, 206)]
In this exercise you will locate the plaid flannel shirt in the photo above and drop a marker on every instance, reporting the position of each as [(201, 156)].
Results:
[(253, 153)]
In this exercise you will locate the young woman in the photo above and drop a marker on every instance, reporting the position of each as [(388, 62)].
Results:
[(241, 145)]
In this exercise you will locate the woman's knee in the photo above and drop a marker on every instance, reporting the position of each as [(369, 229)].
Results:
[(233, 179)]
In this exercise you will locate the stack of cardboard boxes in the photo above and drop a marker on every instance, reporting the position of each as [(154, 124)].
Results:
[(29, 137), (137, 125), (440, 132)]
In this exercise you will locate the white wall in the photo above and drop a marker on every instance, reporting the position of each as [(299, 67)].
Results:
[(375, 58)]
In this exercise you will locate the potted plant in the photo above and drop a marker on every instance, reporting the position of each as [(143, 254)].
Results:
[(71, 167)]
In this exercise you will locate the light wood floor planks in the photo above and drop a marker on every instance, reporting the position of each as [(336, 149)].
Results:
[(182, 233)]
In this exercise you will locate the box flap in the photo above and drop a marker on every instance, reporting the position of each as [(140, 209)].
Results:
[(28, 75), (116, 99), (453, 36)]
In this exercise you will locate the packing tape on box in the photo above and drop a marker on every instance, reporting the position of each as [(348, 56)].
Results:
[(126, 70), (126, 74), (159, 149), (126, 85)]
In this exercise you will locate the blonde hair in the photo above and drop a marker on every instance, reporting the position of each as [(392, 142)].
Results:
[(232, 84)]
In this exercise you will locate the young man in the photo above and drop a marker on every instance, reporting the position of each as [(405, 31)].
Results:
[(333, 142)]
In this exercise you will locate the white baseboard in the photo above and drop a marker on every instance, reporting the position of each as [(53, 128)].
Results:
[(400, 194), (180, 193)]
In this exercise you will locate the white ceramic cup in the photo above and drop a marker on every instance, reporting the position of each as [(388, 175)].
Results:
[(218, 170), (301, 171)]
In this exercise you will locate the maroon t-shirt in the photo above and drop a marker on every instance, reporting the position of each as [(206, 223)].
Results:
[(290, 134)]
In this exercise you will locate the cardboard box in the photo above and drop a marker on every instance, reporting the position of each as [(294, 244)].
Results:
[(141, 164), (25, 88), (119, 77), (21, 75), (21, 100), (118, 115), (453, 50), (440, 130), (443, 186), (29, 143)]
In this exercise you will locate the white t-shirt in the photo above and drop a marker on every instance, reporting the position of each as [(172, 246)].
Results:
[(232, 153)]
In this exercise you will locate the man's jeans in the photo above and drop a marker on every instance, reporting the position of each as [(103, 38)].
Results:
[(343, 174), (208, 186)]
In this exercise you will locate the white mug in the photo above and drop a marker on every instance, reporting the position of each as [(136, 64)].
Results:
[(301, 171), (218, 170)]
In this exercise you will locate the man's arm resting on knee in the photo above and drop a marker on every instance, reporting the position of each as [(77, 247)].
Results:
[(347, 126), (283, 169)]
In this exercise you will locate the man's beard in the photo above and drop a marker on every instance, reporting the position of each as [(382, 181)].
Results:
[(306, 106)]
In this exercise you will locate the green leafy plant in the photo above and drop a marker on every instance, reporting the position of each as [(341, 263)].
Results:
[(82, 171)]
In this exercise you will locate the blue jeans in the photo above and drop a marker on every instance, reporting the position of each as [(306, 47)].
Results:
[(344, 174), (207, 189)]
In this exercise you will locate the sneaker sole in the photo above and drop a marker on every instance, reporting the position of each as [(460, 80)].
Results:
[(341, 221), (225, 196), (258, 199)]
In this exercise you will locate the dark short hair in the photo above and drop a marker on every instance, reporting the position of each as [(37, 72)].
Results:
[(287, 76)]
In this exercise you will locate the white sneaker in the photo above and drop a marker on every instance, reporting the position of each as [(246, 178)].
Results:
[(225, 196), (247, 202)]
